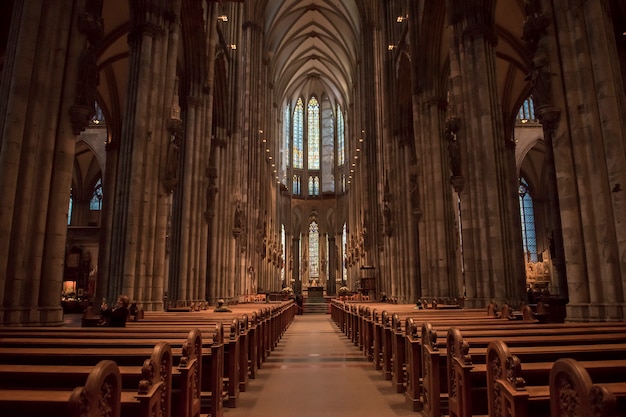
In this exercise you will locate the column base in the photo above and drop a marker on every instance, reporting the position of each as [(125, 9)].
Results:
[(595, 312), (35, 316)]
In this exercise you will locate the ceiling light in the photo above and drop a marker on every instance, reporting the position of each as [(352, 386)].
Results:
[(401, 19), (222, 18), (391, 47), (233, 46)]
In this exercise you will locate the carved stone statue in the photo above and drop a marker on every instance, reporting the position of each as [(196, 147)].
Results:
[(536, 37)]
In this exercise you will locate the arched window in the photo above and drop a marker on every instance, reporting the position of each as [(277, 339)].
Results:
[(296, 185), (526, 112), (71, 207), (98, 118), (308, 146), (298, 135), (344, 267), (314, 250), (286, 148), (527, 215), (96, 198), (314, 185), (341, 154), (313, 130), (283, 249)]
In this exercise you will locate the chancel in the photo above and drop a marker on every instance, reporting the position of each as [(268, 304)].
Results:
[(421, 176)]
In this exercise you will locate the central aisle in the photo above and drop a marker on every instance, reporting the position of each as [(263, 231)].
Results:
[(316, 371)]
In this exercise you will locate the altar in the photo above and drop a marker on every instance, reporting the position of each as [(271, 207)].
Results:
[(315, 292)]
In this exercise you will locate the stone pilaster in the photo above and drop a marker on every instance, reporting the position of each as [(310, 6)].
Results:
[(33, 170), (589, 156), (490, 221)]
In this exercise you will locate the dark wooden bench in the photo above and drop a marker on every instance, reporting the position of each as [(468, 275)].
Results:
[(560, 388), (58, 397), (131, 354), (427, 359), (468, 374), (99, 397)]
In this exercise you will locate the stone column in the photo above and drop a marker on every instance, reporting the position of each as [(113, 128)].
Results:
[(36, 158), (331, 287), (583, 81), (491, 223), (295, 250), (133, 247)]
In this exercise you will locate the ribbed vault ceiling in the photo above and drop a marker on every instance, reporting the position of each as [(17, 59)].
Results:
[(312, 47)]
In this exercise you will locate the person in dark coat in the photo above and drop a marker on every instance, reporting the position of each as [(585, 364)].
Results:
[(117, 316)]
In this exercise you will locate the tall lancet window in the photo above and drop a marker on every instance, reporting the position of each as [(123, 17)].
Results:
[(298, 135), (314, 185), (341, 155), (314, 250), (527, 215), (283, 248), (96, 198), (344, 254), (526, 112), (327, 174), (296, 185), (313, 130), (285, 150)]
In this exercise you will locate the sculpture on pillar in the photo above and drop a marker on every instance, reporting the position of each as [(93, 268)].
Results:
[(454, 152), (237, 220), (170, 179), (414, 194), (175, 128), (210, 194), (90, 23), (535, 35), (388, 226)]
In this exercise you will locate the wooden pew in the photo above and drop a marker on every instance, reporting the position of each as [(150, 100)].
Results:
[(572, 388), (152, 398), (427, 354), (560, 388), (99, 397), (468, 377), (75, 354)]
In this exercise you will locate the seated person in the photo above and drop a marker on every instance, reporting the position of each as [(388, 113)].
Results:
[(220, 308), (133, 311), (118, 316)]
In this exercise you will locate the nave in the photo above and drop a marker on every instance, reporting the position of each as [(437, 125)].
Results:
[(315, 370)]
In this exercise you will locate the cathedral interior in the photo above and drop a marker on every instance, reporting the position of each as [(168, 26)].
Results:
[(185, 151)]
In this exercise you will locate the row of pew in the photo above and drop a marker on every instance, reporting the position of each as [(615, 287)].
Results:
[(471, 362), (164, 365)]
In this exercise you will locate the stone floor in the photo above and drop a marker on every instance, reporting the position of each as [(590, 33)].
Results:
[(317, 371)]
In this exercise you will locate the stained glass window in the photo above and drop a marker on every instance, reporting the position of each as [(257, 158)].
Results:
[(296, 185), (341, 156), (327, 174), (96, 198), (71, 207), (298, 134), (526, 111), (313, 129), (527, 215), (344, 266), (285, 161), (314, 246), (314, 185), (283, 248)]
